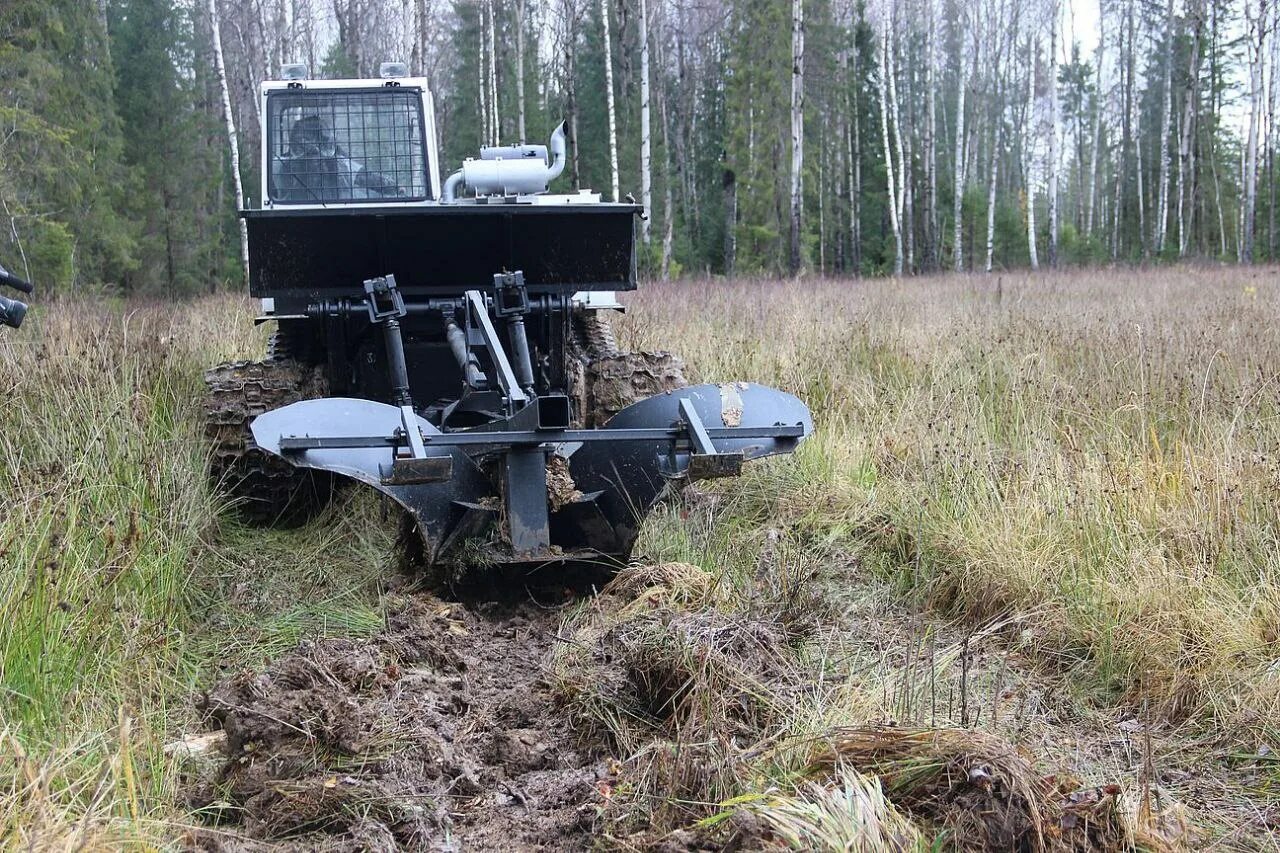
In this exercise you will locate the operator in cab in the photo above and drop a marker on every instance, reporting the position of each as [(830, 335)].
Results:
[(316, 168)]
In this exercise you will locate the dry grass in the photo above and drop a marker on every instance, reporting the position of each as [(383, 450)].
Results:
[(1035, 507), (848, 814), (1098, 450)]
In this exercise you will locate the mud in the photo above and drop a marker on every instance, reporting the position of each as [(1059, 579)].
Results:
[(438, 734), (561, 489)]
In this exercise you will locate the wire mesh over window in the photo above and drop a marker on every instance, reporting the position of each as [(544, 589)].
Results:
[(354, 146)]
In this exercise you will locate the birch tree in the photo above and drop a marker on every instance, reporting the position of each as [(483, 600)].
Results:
[(1256, 19), (958, 165), (797, 128), (931, 138), (521, 130), (1052, 189), (233, 144), (483, 76), (495, 121), (1029, 147), (888, 149), (609, 100), (646, 154), (1187, 124), (1166, 110)]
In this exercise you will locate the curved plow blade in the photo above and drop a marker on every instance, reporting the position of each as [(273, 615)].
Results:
[(631, 474), (437, 506)]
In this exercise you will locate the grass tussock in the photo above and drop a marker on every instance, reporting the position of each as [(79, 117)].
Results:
[(849, 814), (984, 793)]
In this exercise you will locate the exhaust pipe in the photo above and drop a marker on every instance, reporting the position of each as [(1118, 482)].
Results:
[(451, 185), (510, 170), (558, 148)]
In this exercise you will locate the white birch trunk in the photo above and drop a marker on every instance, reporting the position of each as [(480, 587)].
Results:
[(1185, 193), (1257, 42), (668, 196), (855, 180), (291, 33), (1166, 113), (888, 152), (485, 133), (856, 212), (822, 202), (614, 181), (931, 137), (233, 142), (520, 99), (284, 43), (406, 32), (906, 166), (1029, 147), (991, 199), (419, 58), (1053, 133), (1142, 192), (1270, 145), (646, 153), (896, 115), (264, 39), (1240, 203), (496, 122), (797, 128), (958, 202), (1135, 124)]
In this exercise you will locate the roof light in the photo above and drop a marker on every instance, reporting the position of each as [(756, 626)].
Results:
[(391, 70), (293, 71)]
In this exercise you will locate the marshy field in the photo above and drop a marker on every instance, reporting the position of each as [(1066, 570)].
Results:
[(1021, 590)]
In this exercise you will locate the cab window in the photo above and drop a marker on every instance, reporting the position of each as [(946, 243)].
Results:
[(353, 146)]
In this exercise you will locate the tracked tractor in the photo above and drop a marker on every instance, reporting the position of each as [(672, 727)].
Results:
[(446, 342)]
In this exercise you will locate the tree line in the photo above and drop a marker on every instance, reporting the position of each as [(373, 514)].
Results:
[(847, 137)]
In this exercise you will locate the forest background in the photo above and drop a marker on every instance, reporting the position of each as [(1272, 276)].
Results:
[(842, 137)]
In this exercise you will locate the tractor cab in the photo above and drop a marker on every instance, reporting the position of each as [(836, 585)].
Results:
[(343, 142)]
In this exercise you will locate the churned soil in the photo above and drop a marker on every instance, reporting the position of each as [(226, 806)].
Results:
[(438, 734)]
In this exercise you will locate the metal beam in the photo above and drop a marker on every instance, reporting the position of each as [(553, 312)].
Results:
[(478, 310), (535, 437), (702, 442), (524, 484)]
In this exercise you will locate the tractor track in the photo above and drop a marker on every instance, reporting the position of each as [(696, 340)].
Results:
[(270, 490), (440, 733)]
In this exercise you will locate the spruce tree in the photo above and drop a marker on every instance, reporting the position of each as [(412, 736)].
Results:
[(155, 97), (61, 177)]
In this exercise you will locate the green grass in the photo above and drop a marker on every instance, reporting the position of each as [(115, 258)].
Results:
[(123, 588)]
